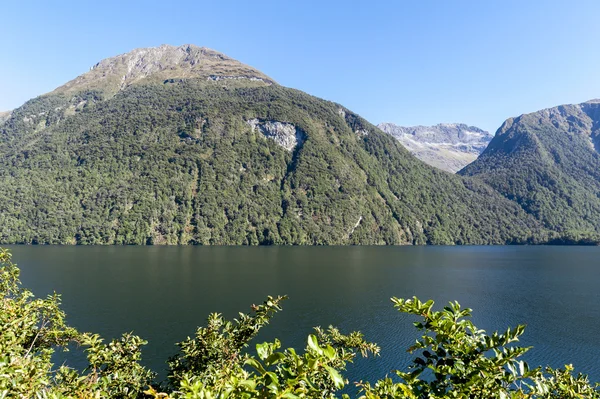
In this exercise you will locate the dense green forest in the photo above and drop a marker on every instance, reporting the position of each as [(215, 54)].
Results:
[(548, 163), (176, 162), (184, 145), (453, 358)]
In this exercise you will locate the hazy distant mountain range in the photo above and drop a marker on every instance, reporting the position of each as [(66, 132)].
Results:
[(448, 146), (184, 145)]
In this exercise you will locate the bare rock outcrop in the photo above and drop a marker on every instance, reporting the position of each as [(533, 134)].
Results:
[(4, 116), (285, 134)]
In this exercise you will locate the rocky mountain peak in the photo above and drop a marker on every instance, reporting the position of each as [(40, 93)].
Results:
[(453, 133), (159, 64), (143, 61), (582, 119), (448, 146)]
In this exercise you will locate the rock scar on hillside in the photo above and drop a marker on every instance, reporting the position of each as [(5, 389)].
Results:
[(284, 134)]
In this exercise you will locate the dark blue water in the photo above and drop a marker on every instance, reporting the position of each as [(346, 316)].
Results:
[(163, 293)]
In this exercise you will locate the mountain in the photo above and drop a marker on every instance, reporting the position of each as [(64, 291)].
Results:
[(184, 145), (548, 162), (447, 146), (159, 64)]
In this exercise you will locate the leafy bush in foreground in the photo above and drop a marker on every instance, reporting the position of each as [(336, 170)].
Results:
[(453, 359)]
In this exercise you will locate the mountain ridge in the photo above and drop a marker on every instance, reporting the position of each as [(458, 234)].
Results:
[(113, 74), (548, 162)]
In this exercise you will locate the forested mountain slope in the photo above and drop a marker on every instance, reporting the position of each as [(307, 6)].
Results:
[(548, 162), (183, 145)]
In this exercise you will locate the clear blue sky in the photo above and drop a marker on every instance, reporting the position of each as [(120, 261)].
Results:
[(408, 62)]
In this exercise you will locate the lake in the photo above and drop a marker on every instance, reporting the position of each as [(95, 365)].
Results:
[(163, 293)]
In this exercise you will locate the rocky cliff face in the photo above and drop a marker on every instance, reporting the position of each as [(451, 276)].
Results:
[(161, 63), (448, 146), (284, 134)]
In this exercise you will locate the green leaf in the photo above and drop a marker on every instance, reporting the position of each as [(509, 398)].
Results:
[(329, 352), (337, 379), (274, 358), (313, 344), (263, 350), (256, 364)]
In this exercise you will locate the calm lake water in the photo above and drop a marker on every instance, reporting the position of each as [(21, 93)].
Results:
[(163, 293)]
